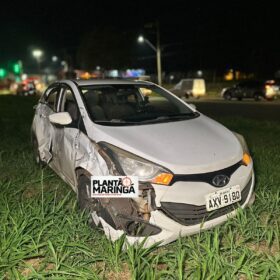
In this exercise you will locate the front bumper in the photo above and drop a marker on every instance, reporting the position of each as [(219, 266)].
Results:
[(177, 229), (172, 227), (188, 214)]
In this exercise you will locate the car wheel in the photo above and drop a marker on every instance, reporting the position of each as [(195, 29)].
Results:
[(256, 97), (36, 153), (227, 96), (86, 203)]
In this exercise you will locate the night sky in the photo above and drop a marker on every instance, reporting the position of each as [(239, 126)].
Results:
[(195, 35)]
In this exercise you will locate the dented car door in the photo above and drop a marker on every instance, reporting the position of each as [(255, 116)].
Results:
[(43, 128), (68, 136)]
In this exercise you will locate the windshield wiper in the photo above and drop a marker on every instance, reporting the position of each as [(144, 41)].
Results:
[(190, 114), (114, 122), (181, 116), (164, 118)]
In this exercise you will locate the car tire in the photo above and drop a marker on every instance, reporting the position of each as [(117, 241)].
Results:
[(36, 153), (85, 202), (227, 96), (256, 97)]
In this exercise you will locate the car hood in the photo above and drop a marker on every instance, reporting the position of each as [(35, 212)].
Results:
[(192, 146)]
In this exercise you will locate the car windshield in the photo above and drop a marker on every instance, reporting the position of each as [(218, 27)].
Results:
[(126, 104)]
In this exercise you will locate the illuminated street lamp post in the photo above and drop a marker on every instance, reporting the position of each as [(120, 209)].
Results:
[(37, 54), (157, 49), (54, 58)]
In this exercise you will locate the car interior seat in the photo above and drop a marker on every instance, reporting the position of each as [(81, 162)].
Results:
[(115, 106), (96, 111)]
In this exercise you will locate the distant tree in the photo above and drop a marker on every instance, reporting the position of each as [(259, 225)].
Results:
[(105, 47)]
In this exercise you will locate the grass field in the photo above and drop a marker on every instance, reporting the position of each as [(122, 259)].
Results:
[(44, 235)]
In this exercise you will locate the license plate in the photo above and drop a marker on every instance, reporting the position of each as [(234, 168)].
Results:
[(222, 198)]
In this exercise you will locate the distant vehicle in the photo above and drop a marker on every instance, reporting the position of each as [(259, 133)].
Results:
[(272, 89), (190, 88), (26, 88), (245, 89)]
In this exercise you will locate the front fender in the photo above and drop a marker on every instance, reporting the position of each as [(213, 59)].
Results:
[(90, 161)]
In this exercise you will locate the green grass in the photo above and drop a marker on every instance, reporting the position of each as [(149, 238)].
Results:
[(43, 235)]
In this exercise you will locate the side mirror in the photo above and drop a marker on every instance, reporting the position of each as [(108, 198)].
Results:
[(193, 106), (62, 118)]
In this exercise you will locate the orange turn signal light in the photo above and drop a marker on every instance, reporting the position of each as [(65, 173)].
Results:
[(163, 179), (246, 159)]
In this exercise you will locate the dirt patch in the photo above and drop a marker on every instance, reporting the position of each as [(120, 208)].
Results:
[(162, 266), (124, 274), (30, 193), (263, 248), (36, 264)]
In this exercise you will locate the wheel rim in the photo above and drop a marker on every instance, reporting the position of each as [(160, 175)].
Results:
[(228, 97)]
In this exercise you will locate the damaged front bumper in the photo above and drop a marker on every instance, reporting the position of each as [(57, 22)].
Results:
[(161, 214), (166, 228)]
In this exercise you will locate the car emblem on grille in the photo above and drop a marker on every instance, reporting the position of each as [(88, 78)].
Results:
[(220, 180)]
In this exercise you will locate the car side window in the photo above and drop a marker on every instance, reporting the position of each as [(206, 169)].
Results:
[(51, 99), (69, 104)]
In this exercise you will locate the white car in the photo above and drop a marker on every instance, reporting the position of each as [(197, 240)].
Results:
[(193, 172), (190, 88)]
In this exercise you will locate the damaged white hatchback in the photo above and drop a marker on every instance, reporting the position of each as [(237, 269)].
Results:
[(193, 172)]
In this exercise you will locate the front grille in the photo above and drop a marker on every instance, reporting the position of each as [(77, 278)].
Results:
[(206, 177), (188, 214)]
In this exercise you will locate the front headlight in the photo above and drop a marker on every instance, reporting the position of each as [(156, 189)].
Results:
[(246, 159), (132, 165)]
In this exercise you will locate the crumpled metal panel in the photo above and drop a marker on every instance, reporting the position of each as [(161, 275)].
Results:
[(88, 157), (43, 131)]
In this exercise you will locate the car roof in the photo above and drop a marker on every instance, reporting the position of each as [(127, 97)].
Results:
[(90, 82)]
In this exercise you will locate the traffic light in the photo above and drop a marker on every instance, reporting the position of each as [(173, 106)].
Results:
[(3, 73), (16, 68)]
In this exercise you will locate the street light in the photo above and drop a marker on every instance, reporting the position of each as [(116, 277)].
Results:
[(141, 39), (37, 53)]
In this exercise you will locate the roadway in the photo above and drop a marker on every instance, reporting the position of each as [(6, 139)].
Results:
[(261, 110)]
